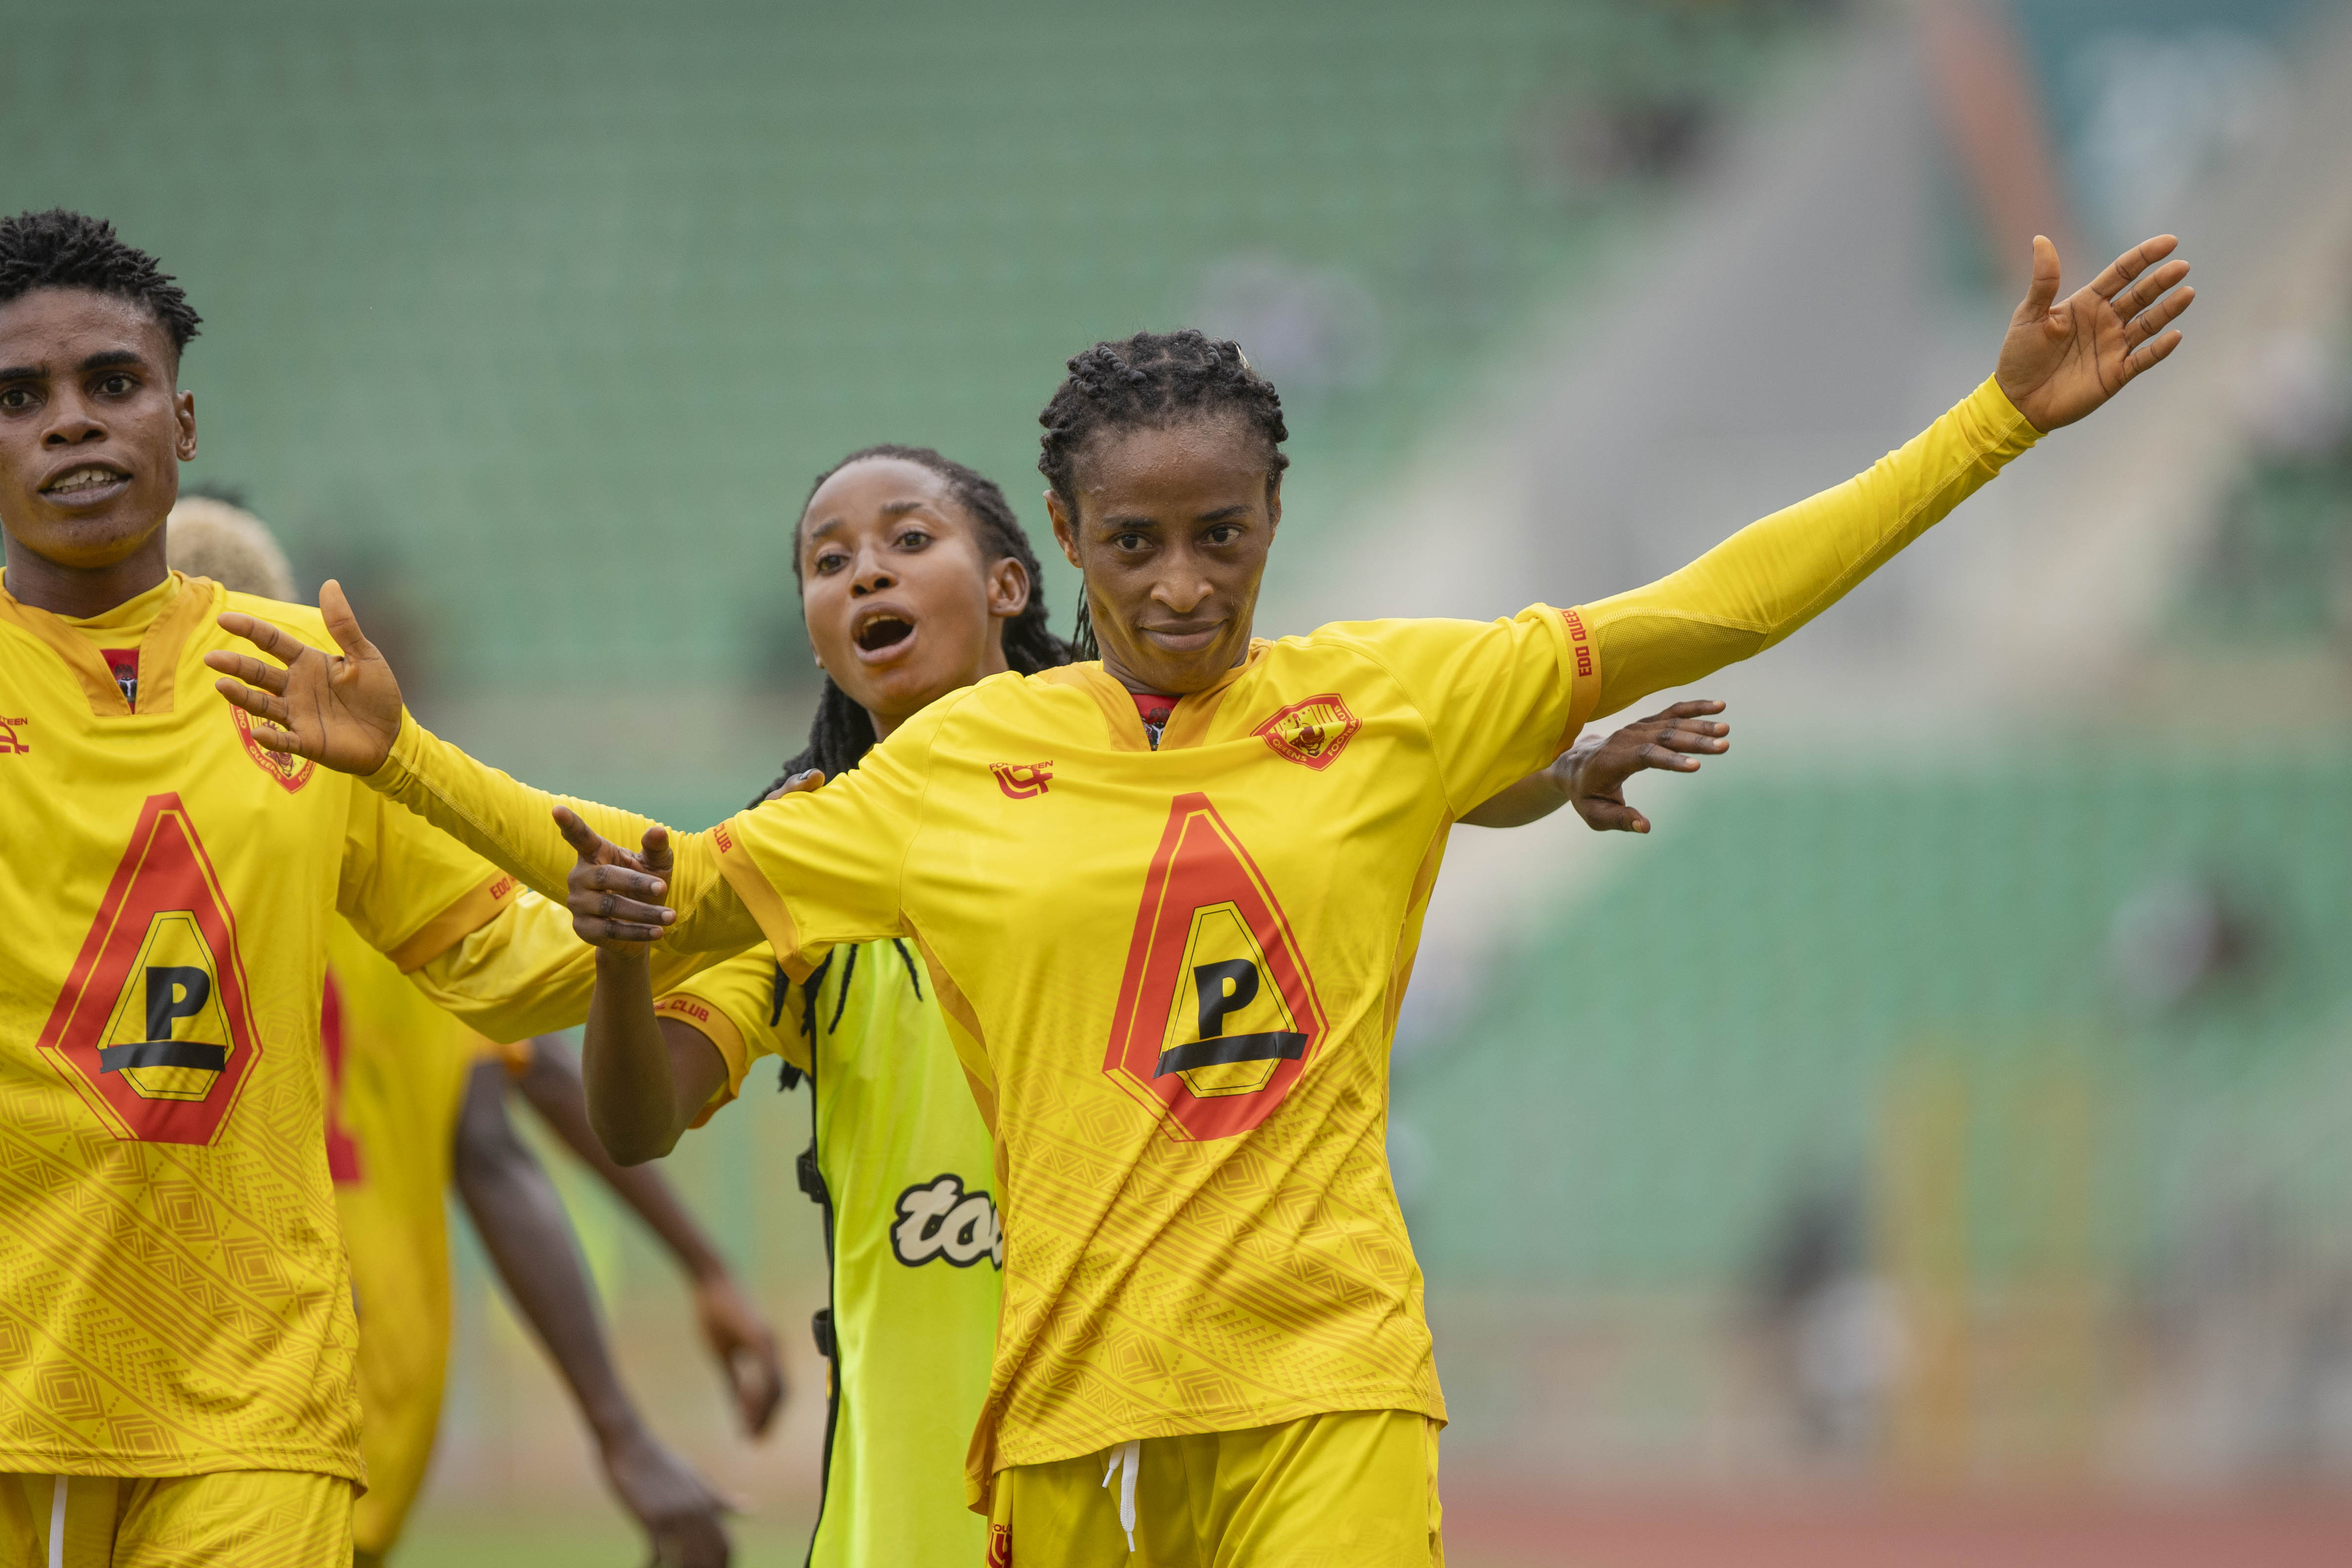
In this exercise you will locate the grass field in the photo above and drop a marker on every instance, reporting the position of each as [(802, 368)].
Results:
[(598, 1536), (1529, 1532)]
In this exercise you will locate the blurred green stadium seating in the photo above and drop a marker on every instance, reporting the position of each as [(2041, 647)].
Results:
[(1647, 1081), (523, 306)]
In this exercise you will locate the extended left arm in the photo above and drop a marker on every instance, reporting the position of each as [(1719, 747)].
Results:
[(741, 1341), (2059, 361)]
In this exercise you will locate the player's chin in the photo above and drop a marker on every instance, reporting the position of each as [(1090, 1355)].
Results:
[(90, 539)]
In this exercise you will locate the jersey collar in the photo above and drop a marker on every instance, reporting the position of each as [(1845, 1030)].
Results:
[(177, 606), (1188, 725)]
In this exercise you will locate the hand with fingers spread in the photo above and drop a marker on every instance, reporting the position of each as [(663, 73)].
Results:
[(1594, 771), (2063, 358), (616, 896), (343, 713)]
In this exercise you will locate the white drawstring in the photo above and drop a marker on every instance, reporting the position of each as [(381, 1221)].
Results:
[(57, 1525), (1129, 1454)]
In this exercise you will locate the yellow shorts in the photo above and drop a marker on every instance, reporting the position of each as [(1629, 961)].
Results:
[(1354, 1490), (233, 1519)]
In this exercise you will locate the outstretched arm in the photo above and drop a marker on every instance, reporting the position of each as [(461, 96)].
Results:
[(528, 1238), (345, 713), (740, 1341), (2059, 361), (1592, 772)]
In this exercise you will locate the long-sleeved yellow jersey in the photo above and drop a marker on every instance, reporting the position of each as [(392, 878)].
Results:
[(1172, 974), (173, 1293)]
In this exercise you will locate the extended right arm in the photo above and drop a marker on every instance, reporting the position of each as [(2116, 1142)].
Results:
[(513, 826)]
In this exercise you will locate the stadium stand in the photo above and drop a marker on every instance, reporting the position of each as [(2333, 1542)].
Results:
[(528, 303)]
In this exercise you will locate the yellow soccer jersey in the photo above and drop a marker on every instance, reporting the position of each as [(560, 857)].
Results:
[(396, 1070), (173, 1293), (1173, 975)]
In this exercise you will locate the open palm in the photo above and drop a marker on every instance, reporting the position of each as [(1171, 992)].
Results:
[(342, 712), (2063, 358)]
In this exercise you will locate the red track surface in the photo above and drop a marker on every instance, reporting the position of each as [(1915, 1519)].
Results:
[(1493, 1530)]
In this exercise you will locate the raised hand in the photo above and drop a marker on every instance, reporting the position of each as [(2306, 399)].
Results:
[(2063, 358), (746, 1348), (1594, 771), (613, 895), (342, 713)]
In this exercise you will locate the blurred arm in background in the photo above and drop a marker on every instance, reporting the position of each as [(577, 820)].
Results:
[(738, 1336), (529, 1236)]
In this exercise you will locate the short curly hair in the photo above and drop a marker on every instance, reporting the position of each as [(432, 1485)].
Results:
[(1146, 381), (58, 249)]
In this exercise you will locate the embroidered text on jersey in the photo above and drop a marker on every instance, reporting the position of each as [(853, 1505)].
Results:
[(12, 736)]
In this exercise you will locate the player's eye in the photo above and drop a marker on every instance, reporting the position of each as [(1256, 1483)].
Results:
[(115, 386), (1127, 541), (1224, 533), (16, 398), (913, 538), (831, 560)]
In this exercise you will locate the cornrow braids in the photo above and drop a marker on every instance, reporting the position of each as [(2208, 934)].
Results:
[(841, 732), (1148, 382), (58, 249)]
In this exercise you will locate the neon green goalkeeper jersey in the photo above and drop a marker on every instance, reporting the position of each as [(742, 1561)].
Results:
[(901, 1164)]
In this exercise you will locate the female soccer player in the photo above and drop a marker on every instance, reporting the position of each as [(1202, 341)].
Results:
[(917, 581), (1170, 955)]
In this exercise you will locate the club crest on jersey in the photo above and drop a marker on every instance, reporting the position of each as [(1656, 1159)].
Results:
[(1023, 780), (1313, 733), (938, 1219), (1217, 1014), (154, 1028), (291, 772), (12, 736)]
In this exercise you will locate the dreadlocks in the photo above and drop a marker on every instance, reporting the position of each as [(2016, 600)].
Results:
[(1151, 380), (58, 249), (841, 732)]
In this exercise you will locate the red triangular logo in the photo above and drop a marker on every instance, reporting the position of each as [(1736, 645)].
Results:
[(1217, 1013), (154, 1028)]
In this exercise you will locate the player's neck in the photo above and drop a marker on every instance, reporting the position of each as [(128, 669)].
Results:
[(77, 593)]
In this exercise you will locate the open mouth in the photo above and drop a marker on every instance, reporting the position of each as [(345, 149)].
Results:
[(90, 479), (883, 630)]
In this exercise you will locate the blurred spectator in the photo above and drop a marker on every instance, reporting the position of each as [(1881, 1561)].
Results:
[(2177, 936), (1832, 1328)]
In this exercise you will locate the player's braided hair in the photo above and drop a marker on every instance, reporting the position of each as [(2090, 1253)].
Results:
[(58, 249), (1149, 381), (841, 732)]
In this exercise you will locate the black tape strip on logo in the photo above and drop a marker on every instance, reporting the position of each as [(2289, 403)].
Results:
[(1281, 1045), (164, 1053)]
